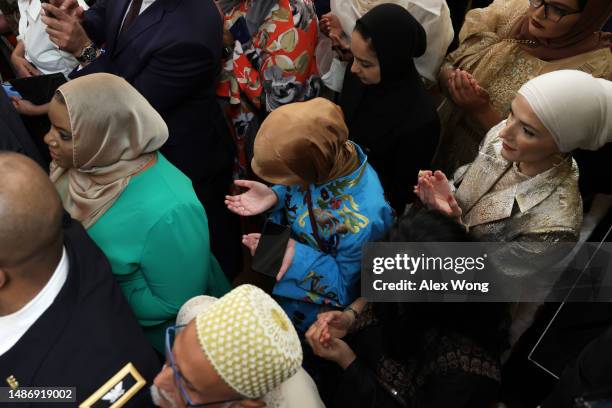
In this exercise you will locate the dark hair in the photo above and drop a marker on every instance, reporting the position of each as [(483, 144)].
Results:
[(582, 4), (363, 30), (403, 324)]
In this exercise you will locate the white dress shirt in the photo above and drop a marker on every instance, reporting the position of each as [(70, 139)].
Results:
[(39, 49), (145, 5), (15, 325)]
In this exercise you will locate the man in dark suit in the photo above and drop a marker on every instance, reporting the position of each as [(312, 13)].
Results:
[(64, 320), (170, 50)]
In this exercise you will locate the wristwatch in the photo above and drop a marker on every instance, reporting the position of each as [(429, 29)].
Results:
[(89, 54)]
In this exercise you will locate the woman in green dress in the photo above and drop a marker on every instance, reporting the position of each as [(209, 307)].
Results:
[(140, 209)]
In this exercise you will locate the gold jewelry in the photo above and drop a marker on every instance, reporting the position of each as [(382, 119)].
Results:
[(54, 144), (515, 41)]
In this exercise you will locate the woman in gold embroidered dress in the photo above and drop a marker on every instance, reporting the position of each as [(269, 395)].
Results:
[(522, 189), (501, 48)]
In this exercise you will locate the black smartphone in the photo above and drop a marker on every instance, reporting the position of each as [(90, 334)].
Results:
[(240, 30), (271, 249)]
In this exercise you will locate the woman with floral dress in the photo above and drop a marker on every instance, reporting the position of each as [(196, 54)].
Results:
[(269, 62)]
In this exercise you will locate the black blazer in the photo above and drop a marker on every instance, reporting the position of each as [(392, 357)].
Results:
[(172, 55), (87, 335)]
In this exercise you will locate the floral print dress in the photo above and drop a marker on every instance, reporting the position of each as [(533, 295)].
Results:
[(275, 68)]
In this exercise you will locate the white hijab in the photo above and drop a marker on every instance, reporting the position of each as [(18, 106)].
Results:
[(575, 108)]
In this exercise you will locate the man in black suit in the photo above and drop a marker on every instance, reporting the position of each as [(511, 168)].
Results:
[(64, 321), (170, 50)]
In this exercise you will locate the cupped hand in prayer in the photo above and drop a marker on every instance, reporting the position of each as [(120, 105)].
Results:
[(330, 24), (257, 199), (434, 192), (466, 92), (335, 350), (335, 324)]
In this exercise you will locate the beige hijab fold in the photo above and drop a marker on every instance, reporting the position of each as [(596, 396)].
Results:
[(304, 143), (115, 133)]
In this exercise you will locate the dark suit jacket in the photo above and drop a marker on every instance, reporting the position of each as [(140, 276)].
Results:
[(171, 54), (87, 334)]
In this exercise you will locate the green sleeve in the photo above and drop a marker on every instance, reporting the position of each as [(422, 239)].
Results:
[(176, 264)]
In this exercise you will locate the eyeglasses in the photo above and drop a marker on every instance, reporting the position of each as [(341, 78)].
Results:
[(552, 12), (178, 378)]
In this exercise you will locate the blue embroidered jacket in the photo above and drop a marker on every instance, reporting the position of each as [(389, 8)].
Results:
[(349, 212)]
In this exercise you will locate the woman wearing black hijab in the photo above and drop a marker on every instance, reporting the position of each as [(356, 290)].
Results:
[(388, 111)]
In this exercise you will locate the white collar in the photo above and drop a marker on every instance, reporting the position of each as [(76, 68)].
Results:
[(15, 325)]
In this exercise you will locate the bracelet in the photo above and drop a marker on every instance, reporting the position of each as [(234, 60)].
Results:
[(350, 309)]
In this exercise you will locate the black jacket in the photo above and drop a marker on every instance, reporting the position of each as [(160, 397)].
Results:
[(86, 336)]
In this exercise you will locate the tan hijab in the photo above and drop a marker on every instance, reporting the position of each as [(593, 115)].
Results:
[(585, 36), (304, 143), (114, 133)]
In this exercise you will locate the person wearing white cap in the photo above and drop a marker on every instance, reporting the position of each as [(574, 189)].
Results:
[(523, 186), (524, 182), (237, 351)]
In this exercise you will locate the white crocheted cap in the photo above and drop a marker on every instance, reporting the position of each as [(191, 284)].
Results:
[(192, 308), (250, 341)]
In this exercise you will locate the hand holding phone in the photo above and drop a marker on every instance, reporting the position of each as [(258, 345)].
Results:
[(270, 249)]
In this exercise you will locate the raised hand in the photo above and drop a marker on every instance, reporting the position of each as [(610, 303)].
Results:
[(71, 7), (64, 29), (466, 92), (257, 199), (435, 192), (334, 350), (335, 324), (330, 24)]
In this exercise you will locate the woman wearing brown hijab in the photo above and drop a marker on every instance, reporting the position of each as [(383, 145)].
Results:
[(502, 47), (328, 195), (140, 209)]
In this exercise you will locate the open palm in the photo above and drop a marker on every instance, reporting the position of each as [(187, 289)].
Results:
[(435, 192), (257, 199)]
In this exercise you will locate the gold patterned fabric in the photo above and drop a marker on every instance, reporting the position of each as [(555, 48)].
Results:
[(250, 341), (500, 204), (500, 66)]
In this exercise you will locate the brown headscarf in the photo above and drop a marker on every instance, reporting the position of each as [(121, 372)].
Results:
[(304, 143), (114, 134), (585, 36)]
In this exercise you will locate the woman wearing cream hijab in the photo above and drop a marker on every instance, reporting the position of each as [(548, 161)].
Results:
[(523, 186), (140, 210)]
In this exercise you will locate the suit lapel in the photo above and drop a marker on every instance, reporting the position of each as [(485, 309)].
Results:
[(151, 16), (115, 23)]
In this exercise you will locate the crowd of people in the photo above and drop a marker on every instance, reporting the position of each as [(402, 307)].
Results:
[(129, 226)]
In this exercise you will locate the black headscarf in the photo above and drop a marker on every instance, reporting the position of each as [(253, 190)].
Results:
[(370, 110), (395, 121)]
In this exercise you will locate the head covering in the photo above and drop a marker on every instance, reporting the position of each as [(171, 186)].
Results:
[(192, 308), (397, 38), (304, 143), (374, 112), (250, 341), (583, 37), (114, 132), (575, 108)]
